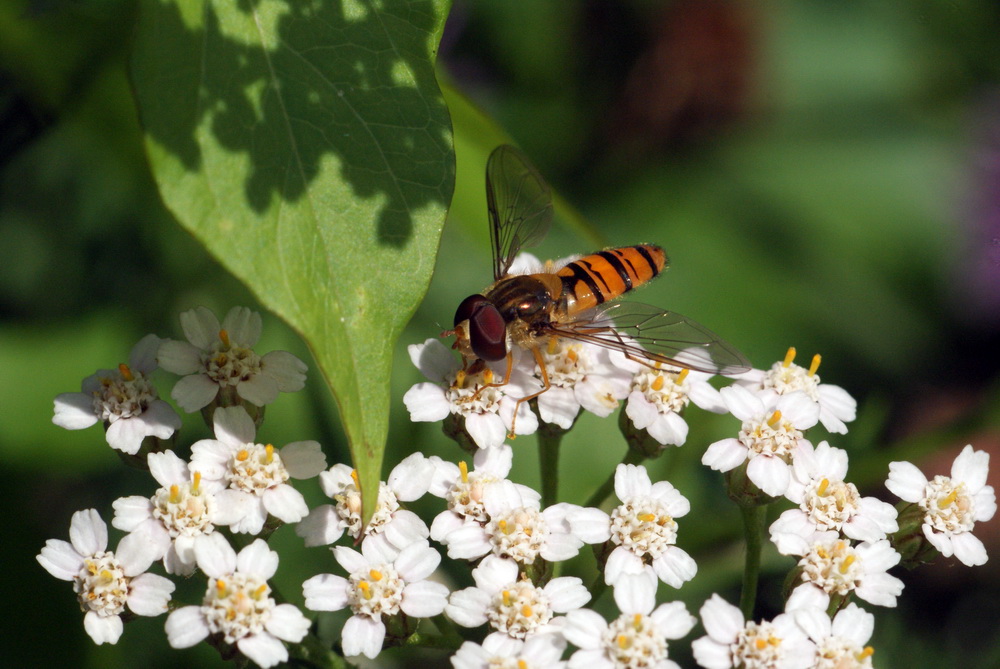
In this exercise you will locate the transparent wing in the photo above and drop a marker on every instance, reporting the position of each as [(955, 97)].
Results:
[(648, 333), (520, 205)]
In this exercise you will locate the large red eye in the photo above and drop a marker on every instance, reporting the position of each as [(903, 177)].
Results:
[(488, 333), (468, 306)]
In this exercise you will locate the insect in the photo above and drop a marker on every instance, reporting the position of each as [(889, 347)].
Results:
[(572, 302)]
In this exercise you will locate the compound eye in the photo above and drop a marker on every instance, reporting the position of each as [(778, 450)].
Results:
[(488, 332), (468, 307)]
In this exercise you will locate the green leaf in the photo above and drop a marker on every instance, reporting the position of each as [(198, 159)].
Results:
[(307, 146)]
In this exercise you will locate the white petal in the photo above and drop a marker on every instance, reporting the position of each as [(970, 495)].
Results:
[(285, 502), (325, 592), (233, 426), (725, 455), (406, 528), (60, 559), (88, 533), (590, 525), (742, 403), (770, 474), (362, 636), (410, 479), (566, 593), (303, 459), (854, 624), (321, 527), (711, 654), (494, 573), (126, 435), (137, 550), (426, 403), (722, 620), (433, 359), (215, 556), (259, 389), (263, 650), (969, 549), (640, 411), (622, 561), (675, 567), (178, 357), (186, 627), (468, 542), (168, 469), (149, 594), (585, 629), (559, 547), (971, 468), (194, 392), (558, 406), (906, 481), (669, 430), (424, 599), (201, 327), (74, 411), (673, 620), (287, 622), (103, 629), (416, 562), (635, 593), (631, 481), (257, 559), (142, 357), (288, 372), (468, 607), (130, 512)]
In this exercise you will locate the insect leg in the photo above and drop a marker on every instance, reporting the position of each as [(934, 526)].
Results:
[(546, 384)]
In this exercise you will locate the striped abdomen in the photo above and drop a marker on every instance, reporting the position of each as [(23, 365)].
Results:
[(603, 276)]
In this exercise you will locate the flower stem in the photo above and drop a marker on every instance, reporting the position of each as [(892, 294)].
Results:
[(548, 460), (753, 532), (632, 457)]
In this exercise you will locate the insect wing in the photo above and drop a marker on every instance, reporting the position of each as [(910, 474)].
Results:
[(519, 203), (647, 333)]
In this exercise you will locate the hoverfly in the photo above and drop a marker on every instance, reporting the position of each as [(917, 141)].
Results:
[(571, 302)]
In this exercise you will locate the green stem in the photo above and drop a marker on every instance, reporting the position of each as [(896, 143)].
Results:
[(753, 532), (632, 457), (548, 460)]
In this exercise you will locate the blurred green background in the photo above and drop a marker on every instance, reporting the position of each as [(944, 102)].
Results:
[(824, 175)]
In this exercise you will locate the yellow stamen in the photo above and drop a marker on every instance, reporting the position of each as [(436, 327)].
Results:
[(526, 611), (774, 419), (220, 588), (375, 575), (221, 359), (622, 641), (572, 355), (760, 643), (522, 664), (846, 564), (463, 469), (948, 501), (224, 336), (488, 376), (823, 485), (268, 454), (506, 597), (681, 375), (242, 455), (502, 525), (774, 641), (354, 477), (175, 494), (789, 357), (125, 372), (657, 383), (195, 482), (637, 622), (460, 378), (553, 346), (106, 575), (815, 364), (260, 592), (866, 653), (647, 517), (365, 589)]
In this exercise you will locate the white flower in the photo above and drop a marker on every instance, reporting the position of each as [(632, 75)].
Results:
[(637, 638), (221, 358), (580, 375), (658, 394), (390, 524), (123, 399), (255, 474), (106, 582), (463, 490), (180, 514), (835, 405), (952, 505), (733, 642), (502, 652), (840, 643), (515, 608), (379, 585), (488, 412), (835, 566), (826, 502), (644, 530), (771, 432), (517, 528), (237, 604)]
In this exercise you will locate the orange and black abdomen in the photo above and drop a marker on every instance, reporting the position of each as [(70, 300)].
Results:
[(603, 276)]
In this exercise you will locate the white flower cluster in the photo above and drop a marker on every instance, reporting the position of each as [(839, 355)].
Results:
[(234, 491)]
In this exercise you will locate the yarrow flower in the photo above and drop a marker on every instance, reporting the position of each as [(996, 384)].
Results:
[(106, 582), (219, 359), (255, 475), (519, 529), (840, 643), (733, 642), (636, 639), (837, 568), (237, 604), (488, 411), (951, 505), (463, 490), (502, 652), (770, 434), (644, 529), (826, 502), (658, 395), (124, 400), (836, 406), (182, 513), (390, 523), (515, 608), (379, 585)]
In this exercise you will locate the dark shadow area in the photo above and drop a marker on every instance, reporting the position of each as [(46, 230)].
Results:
[(316, 94)]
